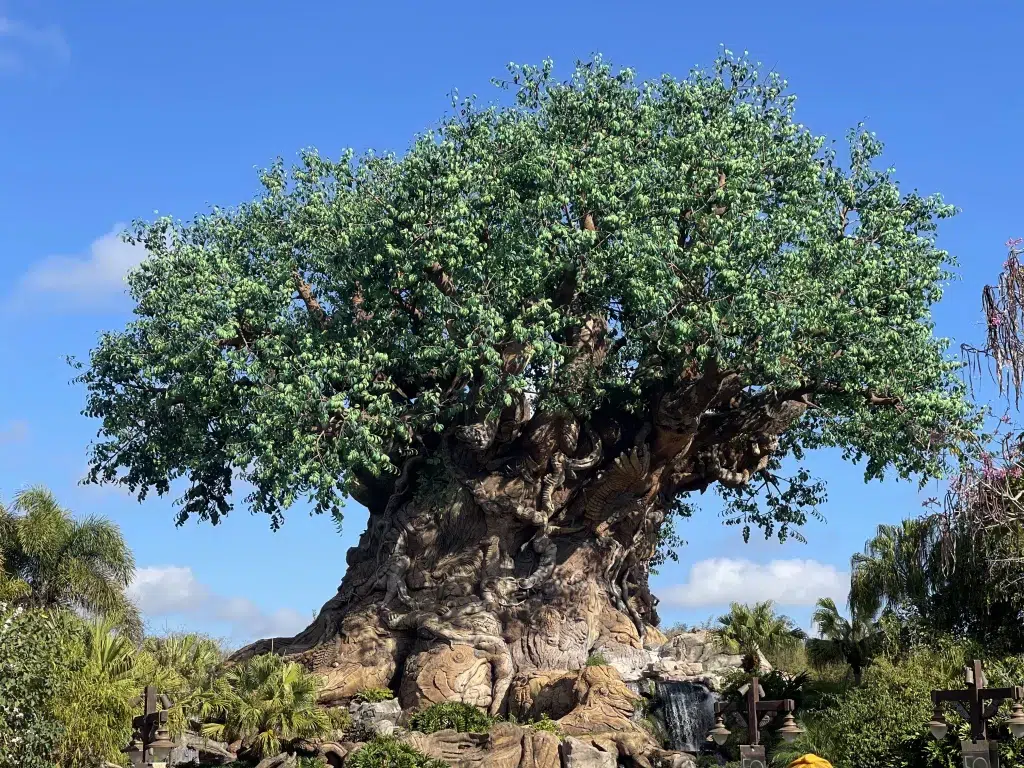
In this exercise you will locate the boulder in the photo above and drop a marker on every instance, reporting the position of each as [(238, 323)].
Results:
[(377, 718), (579, 754)]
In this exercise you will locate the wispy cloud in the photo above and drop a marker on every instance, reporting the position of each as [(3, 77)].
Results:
[(93, 280), (720, 581), (173, 590), (24, 46), (14, 432)]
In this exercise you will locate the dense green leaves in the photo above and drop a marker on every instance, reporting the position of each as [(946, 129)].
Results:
[(457, 715), (266, 703), (358, 307), (33, 672)]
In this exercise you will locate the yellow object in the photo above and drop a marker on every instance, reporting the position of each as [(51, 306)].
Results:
[(810, 761)]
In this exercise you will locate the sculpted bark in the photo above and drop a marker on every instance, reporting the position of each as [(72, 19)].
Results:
[(520, 544)]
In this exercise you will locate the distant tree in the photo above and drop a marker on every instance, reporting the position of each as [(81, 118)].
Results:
[(843, 641), (944, 574), (51, 560), (757, 631)]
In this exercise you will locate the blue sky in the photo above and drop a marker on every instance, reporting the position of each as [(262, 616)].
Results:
[(110, 111)]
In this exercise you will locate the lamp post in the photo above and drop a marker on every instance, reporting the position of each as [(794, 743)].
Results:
[(752, 755), (151, 743), (977, 705)]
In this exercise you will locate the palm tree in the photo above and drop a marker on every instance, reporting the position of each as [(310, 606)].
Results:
[(842, 642), (265, 702), (757, 631), (185, 666), (897, 567), (50, 560), (95, 708)]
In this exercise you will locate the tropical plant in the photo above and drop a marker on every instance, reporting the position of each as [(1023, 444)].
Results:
[(943, 575), (266, 703), (96, 708), (757, 631), (185, 666), (52, 560), (386, 752), (841, 641), (457, 715), (373, 695), (597, 659)]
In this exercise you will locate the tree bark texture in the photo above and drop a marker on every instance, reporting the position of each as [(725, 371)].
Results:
[(521, 544)]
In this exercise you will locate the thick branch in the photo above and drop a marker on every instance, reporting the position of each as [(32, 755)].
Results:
[(435, 272), (312, 305)]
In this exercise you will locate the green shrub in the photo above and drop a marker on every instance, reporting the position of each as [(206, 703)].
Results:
[(597, 660), (545, 724), (387, 752), (374, 695), (34, 673), (464, 718)]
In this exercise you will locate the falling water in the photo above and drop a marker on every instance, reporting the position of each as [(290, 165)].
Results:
[(688, 711)]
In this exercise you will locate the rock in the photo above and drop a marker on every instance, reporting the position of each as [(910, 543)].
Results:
[(505, 746), (579, 754), (537, 693), (193, 747), (375, 718), (693, 656), (443, 673), (666, 758), (603, 703), (363, 658)]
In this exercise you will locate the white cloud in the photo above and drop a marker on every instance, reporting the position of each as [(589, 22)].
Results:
[(173, 590), (14, 432), (720, 581), (85, 281), (23, 46)]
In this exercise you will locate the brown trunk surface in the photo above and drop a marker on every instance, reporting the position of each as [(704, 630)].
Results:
[(522, 544)]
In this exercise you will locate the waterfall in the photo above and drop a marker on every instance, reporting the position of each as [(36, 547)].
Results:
[(688, 711)]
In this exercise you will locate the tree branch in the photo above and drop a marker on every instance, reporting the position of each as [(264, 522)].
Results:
[(312, 305)]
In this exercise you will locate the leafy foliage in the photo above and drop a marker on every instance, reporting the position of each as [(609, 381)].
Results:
[(385, 752), (96, 709), (853, 642), (357, 308), (597, 659), (464, 718), (34, 672), (755, 631), (51, 560), (946, 578), (373, 695), (265, 702)]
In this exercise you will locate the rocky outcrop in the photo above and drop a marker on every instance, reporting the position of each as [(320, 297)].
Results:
[(579, 754), (591, 700), (447, 673), (371, 719), (688, 656), (505, 746)]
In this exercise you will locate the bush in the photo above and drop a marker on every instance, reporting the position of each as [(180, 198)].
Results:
[(597, 660), (386, 752), (33, 673), (374, 695), (464, 718)]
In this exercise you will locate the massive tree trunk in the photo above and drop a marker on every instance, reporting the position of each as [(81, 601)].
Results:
[(523, 543)]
